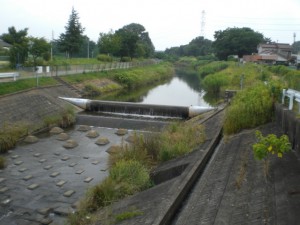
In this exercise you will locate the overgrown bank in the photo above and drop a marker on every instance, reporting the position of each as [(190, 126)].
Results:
[(257, 88), (130, 165), (27, 112), (95, 84)]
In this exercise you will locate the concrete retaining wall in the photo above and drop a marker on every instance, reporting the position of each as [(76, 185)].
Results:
[(289, 123), (34, 105)]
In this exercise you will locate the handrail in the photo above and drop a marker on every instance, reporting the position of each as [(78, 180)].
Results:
[(292, 95), (9, 75)]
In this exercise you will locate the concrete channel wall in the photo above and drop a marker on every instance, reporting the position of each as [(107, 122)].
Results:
[(289, 123)]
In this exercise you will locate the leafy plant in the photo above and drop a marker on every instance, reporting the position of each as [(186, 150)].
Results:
[(249, 108), (270, 144)]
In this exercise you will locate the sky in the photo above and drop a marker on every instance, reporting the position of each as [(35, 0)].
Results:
[(170, 23)]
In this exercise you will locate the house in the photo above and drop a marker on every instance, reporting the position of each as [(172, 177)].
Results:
[(271, 53), (4, 45)]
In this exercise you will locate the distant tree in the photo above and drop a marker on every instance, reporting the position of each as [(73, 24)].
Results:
[(236, 41), (72, 40), (18, 39), (38, 48), (109, 43), (197, 47), (88, 47), (296, 47), (129, 41)]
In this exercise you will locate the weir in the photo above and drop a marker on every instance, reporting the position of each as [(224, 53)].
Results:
[(136, 108)]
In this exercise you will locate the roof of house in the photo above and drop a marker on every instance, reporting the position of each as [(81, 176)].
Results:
[(4, 44)]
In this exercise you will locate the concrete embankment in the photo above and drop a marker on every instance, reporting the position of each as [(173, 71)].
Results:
[(34, 105), (232, 189), (174, 180)]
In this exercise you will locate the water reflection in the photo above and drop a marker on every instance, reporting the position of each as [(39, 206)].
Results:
[(179, 91)]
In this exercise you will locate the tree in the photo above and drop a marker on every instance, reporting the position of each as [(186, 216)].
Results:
[(236, 41), (129, 41), (197, 47), (109, 43), (72, 40), (18, 39), (38, 47)]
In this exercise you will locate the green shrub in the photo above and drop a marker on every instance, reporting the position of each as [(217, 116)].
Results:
[(270, 144), (125, 178), (214, 82), (100, 195), (66, 118), (10, 133), (104, 58), (249, 108), (211, 68), (179, 139), (131, 174), (126, 59)]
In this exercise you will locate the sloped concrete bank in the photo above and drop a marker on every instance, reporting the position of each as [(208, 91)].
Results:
[(33, 105), (160, 203)]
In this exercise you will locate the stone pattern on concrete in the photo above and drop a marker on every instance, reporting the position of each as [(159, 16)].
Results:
[(45, 175), (33, 105)]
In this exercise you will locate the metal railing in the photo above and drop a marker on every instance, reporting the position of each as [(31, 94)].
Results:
[(292, 95), (62, 70)]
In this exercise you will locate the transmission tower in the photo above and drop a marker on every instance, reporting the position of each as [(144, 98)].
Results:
[(202, 23)]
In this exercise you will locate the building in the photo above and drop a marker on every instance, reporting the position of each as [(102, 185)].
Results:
[(4, 45), (271, 53)]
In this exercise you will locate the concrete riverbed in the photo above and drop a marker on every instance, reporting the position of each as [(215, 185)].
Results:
[(44, 180)]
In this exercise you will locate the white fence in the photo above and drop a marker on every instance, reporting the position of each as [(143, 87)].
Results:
[(292, 95)]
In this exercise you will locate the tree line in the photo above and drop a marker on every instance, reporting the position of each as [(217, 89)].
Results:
[(130, 41)]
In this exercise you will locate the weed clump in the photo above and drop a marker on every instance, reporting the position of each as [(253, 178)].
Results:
[(10, 133)]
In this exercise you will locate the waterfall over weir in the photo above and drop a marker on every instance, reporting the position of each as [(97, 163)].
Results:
[(136, 108)]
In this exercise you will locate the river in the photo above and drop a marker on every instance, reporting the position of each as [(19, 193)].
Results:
[(175, 91)]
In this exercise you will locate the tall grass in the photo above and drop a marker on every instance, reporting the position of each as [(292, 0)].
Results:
[(137, 77), (10, 133), (24, 84), (290, 78), (249, 108), (130, 166), (211, 68)]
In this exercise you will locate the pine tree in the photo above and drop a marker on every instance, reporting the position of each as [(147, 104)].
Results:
[(72, 40)]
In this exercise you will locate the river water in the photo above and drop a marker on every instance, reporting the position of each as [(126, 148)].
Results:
[(175, 92)]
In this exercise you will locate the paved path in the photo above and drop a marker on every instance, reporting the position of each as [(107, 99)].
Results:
[(44, 180), (233, 188)]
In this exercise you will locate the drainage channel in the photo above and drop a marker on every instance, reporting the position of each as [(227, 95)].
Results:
[(187, 199)]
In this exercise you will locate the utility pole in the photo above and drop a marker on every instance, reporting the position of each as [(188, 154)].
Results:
[(294, 37), (202, 23)]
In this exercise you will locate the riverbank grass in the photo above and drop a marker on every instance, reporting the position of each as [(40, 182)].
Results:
[(131, 165)]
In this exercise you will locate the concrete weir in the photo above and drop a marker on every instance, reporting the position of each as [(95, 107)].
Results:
[(137, 108)]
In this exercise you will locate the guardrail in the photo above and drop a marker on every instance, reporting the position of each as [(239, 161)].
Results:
[(9, 75), (292, 95)]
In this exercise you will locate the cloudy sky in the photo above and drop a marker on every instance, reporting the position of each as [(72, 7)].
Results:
[(169, 22)]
